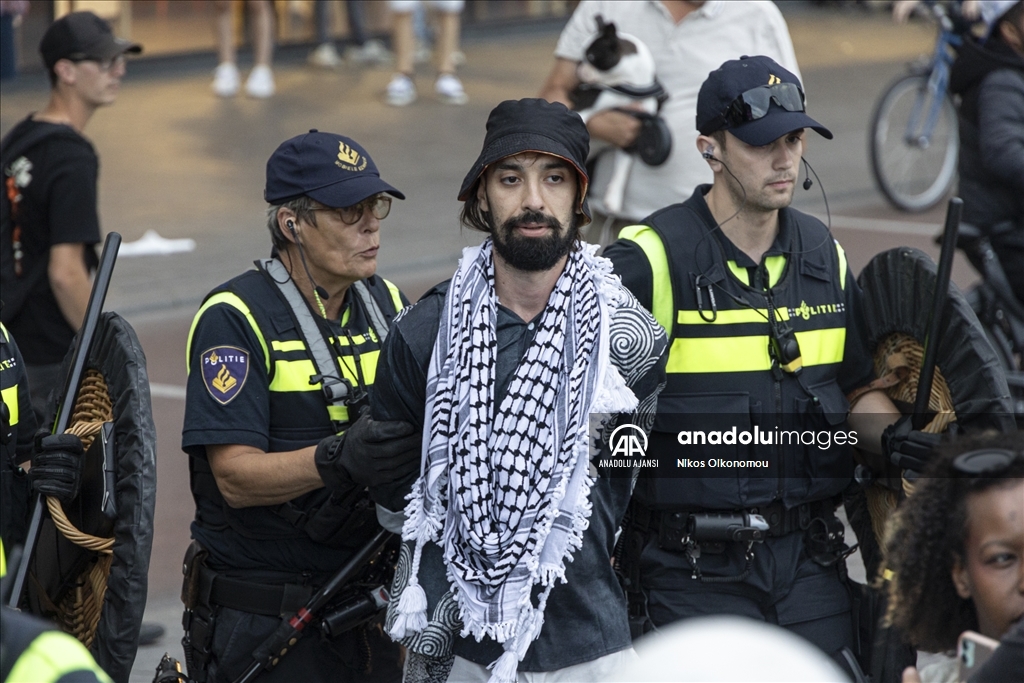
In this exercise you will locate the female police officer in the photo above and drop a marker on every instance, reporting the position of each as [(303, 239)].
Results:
[(280, 359)]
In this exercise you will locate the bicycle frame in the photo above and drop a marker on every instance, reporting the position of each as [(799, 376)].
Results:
[(938, 82)]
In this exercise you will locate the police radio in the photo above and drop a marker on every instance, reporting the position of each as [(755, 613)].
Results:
[(785, 347)]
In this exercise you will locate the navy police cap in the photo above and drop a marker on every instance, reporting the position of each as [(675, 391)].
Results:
[(734, 78), (332, 169)]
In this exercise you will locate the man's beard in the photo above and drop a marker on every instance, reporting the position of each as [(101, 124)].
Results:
[(532, 253)]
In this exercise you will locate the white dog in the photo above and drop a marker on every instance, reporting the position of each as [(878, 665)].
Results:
[(617, 72)]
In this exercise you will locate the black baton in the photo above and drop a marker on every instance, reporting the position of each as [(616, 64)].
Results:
[(269, 653), (67, 402), (931, 340)]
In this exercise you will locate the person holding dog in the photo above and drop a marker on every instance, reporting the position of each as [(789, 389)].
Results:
[(688, 40)]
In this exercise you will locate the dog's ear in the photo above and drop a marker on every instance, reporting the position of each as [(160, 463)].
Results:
[(608, 31), (600, 23), (626, 47)]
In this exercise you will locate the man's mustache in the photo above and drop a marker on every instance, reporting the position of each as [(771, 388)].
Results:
[(531, 217)]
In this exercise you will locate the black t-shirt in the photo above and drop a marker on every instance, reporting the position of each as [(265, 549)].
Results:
[(56, 181), (585, 617)]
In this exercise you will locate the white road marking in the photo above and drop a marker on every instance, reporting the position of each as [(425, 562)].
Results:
[(166, 391), (882, 225)]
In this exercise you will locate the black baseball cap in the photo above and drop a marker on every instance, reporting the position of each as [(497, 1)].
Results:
[(82, 35), (736, 77), (533, 125), (332, 169)]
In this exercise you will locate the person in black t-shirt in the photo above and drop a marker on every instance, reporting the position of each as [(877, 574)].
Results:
[(50, 222)]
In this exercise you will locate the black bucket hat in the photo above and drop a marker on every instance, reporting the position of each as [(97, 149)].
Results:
[(533, 125), (721, 105)]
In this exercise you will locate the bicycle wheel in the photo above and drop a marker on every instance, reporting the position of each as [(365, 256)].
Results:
[(914, 166)]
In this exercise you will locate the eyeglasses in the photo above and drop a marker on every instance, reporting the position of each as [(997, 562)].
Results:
[(104, 65), (379, 206), (986, 461), (754, 103)]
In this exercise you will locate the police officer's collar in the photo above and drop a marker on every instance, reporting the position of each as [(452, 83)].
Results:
[(783, 243)]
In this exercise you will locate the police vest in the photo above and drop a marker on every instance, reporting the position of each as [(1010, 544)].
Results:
[(14, 486), (720, 372), (299, 413), (34, 651)]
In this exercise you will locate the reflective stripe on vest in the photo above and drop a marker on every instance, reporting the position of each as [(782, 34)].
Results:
[(737, 339), (9, 395), (293, 374), (51, 656)]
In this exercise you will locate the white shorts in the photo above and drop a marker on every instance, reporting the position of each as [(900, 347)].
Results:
[(446, 6)]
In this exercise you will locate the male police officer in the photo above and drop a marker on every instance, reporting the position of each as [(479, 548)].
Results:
[(765, 332), (280, 360)]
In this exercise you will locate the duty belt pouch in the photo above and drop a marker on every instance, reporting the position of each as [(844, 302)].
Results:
[(672, 530), (825, 541), (194, 557), (197, 619)]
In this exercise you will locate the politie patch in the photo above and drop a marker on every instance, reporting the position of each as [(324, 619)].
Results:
[(224, 371)]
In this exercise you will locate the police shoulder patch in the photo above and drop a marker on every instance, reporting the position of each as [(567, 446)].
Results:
[(225, 369)]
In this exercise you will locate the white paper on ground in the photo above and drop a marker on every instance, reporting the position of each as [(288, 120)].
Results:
[(152, 243)]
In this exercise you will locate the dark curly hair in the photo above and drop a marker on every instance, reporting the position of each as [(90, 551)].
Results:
[(927, 534)]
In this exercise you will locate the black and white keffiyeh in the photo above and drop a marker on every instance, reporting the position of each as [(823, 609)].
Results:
[(505, 492)]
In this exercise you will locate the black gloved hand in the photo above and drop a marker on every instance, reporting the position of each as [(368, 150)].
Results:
[(57, 466), (370, 453), (908, 448)]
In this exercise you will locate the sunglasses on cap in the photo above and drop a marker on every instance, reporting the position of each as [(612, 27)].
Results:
[(379, 205), (754, 103), (985, 461)]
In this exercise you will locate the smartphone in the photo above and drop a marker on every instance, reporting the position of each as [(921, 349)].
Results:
[(972, 650)]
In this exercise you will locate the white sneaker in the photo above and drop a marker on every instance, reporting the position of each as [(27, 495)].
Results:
[(325, 56), (401, 91), (371, 52), (449, 89), (225, 80), (260, 83)]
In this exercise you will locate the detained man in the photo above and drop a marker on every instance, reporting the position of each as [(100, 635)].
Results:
[(509, 529)]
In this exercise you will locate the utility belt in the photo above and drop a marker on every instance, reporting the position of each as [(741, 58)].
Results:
[(255, 598), (713, 529), (205, 591)]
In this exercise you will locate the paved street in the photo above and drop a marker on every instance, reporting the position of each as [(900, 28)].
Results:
[(177, 160)]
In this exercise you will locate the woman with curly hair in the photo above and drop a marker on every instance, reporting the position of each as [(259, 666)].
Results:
[(956, 549)]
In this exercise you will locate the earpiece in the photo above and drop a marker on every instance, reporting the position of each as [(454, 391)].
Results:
[(321, 292), (709, 153)]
